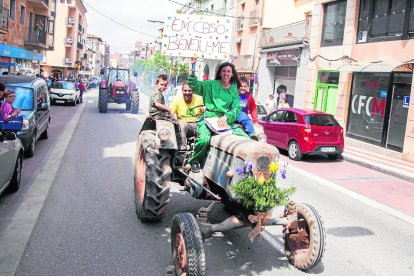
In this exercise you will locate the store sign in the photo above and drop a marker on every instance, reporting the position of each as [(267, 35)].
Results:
[(362, 104), (406, 101), (284, 58), (14, 52), (197, 36)]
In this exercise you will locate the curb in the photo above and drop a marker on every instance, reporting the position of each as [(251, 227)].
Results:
[(378, 167), (14, 239)]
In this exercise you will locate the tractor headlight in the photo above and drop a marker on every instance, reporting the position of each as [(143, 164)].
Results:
[(262, 137), (164, 134)]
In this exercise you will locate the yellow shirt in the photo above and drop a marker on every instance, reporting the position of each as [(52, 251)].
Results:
[(283, 105), (182, 109)]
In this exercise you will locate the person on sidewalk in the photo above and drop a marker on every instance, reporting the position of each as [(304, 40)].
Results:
[(248, 106), (221, 99), (82, 88), (270, 104), (184, 109), (284, 100)]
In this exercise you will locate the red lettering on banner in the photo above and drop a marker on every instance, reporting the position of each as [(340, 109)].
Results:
[(378, 108)]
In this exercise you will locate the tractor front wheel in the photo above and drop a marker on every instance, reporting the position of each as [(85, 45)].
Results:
[(307, 252)]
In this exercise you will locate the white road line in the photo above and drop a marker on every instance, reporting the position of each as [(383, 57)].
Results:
[(354, 195)]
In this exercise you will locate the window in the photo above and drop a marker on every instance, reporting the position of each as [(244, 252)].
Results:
[(334, 23), (277, 116), (12, 9), (22, 14), (385, 20), (290, 117)]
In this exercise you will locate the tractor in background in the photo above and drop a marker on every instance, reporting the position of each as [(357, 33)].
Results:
[(117, 87)]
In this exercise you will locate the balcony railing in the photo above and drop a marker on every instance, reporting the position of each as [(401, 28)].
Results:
[(4, 19), (40, 4), (239, 23), (67, 61), (285, 35), (68, 40), (254, 18), (243, 62), (37, 38), (70, 21)]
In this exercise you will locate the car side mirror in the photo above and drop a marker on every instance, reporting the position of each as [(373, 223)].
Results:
[(43, 106), (265, 118)]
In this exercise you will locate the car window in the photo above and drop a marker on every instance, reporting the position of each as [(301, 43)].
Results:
[(63, 85), (24, 97), (42, 94), (277, 116), (321, 120), (290, 117)]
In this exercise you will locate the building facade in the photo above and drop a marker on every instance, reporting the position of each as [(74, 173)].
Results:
[(94, 55), (26, 34), (361, 70), (67, 58), (284, 50)]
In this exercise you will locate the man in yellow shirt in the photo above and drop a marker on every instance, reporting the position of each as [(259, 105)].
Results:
[(180, 108)]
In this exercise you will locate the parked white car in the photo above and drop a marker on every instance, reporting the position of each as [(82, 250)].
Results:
[(64, 92), (11, 158)]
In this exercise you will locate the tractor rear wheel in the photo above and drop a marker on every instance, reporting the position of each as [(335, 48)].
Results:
[(307, 253), (103, 101), (134, 102), (152, 178)]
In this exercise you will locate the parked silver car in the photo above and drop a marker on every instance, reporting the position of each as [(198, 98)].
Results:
[(11, 159)]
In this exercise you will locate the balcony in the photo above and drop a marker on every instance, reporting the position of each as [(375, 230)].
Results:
[(39, 4), (239, 23), (243, 62), (70, 22), (4, 20), (286, 35), (67, 61), (68, 41), (80, 45), (254, 18), (36, 39)]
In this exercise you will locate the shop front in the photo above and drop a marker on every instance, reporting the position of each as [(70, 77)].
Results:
[(19, 61), (378, 108)]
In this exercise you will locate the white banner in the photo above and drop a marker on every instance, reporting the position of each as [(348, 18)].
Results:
[(199, 36)]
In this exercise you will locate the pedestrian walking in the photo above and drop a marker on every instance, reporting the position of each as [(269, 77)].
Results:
[(82, 88), (270, 104)]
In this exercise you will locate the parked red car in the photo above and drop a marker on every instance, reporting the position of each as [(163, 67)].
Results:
[(304, 132)]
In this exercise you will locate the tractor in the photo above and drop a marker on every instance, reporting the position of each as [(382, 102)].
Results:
[(117, 87), (160, 161)]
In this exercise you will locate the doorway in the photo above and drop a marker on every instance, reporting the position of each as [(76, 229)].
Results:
[(326, 92)]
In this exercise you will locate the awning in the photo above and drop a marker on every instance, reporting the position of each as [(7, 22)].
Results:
[(374, 67)]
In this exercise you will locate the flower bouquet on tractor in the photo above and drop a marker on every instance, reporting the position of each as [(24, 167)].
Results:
[(239, 173)]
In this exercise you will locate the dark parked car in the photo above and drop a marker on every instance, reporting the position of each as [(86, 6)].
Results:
[(32, 97), (304, 132), (11, 158)]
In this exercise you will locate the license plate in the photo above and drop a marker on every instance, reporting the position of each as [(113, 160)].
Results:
[(60, 101), (328, 149)]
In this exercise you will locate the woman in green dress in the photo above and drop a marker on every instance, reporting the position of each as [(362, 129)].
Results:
[(221, 99)]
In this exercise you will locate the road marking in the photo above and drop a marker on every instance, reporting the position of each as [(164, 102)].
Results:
[(354, 195), (362, 178)]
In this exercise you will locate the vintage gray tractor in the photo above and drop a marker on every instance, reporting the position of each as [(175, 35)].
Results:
[(117, 87), (160, 162)]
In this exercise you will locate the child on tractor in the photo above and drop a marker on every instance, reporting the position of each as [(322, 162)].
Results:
[(157, 108)]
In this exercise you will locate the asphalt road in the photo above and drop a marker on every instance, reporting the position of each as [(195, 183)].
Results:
[(88, 225)]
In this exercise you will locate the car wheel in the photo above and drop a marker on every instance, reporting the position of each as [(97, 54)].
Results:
[(17, 175), (32, 145), (45, 134), (74, 102), (334, 156), (294, 151)]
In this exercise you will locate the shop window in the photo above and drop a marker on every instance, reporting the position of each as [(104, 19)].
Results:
[(385, 20), (334, 23), (367, 105), (12, 9), (22, 14)]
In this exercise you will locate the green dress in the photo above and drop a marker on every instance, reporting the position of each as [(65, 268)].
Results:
[(219, 101)]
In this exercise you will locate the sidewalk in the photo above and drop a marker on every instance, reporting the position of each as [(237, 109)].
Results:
[(378, 158)]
